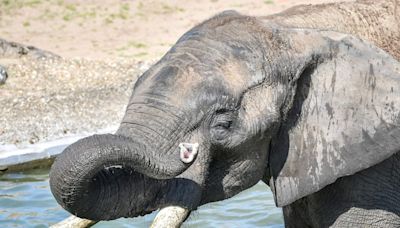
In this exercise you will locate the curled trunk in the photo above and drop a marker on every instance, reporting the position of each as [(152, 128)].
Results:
[(105, 177)]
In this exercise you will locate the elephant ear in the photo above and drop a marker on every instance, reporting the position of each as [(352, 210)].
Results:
[(344, 117)]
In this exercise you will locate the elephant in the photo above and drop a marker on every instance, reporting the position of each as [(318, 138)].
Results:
[(307, 100)]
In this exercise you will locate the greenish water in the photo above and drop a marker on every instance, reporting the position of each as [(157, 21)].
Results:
[(26, 201)]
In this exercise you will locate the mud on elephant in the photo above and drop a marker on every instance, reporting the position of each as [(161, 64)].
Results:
[(238, 99)]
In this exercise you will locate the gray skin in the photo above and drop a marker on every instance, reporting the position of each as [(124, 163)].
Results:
[(314, 113)]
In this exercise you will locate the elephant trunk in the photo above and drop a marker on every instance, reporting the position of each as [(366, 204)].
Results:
[(104, 177)]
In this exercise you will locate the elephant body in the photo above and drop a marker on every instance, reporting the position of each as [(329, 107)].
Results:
[(369, 198), (307, 100)]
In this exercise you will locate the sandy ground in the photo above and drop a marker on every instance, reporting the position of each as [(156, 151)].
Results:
[(100, 29), (104, 46)]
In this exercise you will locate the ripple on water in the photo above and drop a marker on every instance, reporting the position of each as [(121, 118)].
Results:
[(26, 201)]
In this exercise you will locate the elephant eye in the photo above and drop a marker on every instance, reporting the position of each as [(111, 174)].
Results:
[(223, 124), (221, 128), (222, 120), (219, 133)]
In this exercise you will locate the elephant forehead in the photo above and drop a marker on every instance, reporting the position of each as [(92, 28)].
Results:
[(194, 84), (236, 77)]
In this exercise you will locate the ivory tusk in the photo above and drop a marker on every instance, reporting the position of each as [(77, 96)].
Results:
[(170, 217), (74, 222)]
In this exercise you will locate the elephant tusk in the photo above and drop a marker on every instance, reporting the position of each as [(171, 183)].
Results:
[(170, 217), (74, 222)]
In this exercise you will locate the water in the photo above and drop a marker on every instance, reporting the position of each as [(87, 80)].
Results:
[(26, 201)]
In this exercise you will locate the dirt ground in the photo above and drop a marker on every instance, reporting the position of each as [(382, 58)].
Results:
[(104, 45), (100, 29)]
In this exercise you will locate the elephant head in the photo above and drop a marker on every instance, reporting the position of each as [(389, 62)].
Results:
[(233, 101)]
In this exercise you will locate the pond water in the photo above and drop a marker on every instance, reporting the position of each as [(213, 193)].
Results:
[(26, 201)]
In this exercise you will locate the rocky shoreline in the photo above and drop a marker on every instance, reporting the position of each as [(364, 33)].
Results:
[(47, 97)]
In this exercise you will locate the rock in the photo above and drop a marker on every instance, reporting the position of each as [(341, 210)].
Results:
[(3, 75), (12, 53), (17, 50)]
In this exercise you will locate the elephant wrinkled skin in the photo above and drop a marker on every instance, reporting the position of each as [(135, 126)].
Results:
[(302, 100)]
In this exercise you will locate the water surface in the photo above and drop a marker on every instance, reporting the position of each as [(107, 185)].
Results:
[(26, 201)]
